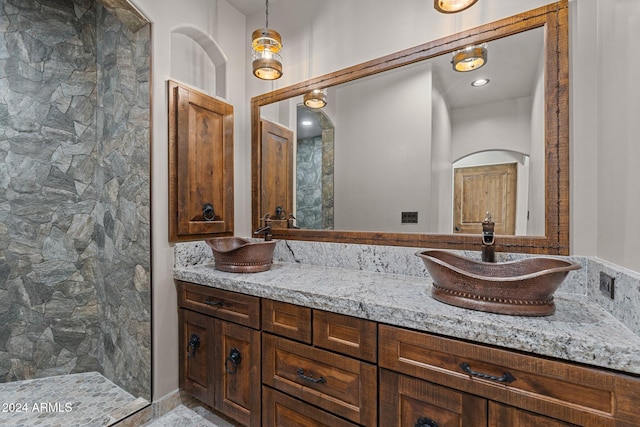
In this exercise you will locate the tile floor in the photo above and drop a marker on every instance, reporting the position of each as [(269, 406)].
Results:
[(86, 399), (192, 417)]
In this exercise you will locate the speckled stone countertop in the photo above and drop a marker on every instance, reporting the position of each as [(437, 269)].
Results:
[(579, 331)]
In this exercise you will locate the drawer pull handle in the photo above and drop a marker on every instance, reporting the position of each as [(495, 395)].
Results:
[(302, 376), (426, 422), (505, 378), (209, 301), (194, 343), (234, 358)]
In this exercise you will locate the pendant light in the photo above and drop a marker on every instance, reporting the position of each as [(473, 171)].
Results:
[(317, 98), (470, 58), (453, 6), (266, 46)]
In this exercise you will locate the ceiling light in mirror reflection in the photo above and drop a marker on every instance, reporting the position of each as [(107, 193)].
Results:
[(470, 58)]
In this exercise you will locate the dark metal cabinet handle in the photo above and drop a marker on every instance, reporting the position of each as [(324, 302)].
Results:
[(302, 376), (232, 361), (426, 422), (505, 378), (192, 346), (211, 302)]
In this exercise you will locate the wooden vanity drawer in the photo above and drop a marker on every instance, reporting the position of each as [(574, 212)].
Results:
[(336, 383), (345, 334), (226, 305), (288, 320), (565, 391), (278, 409)]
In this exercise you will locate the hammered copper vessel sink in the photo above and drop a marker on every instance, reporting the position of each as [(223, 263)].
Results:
[(523, 287), (238, 255)]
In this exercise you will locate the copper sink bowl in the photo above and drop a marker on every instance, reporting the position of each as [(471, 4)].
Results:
[(238, 255), (522, 288)]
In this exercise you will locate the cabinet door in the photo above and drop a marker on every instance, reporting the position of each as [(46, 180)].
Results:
[(200, 165), (237, 372), (508, 416), (280, 410), (410, 402), (196, 349)]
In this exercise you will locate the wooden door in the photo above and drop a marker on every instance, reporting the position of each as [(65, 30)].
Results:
[(479, 189), (276, 144), (508, 416), (200, 165), (237, 372), (196, 349), (410, 402)]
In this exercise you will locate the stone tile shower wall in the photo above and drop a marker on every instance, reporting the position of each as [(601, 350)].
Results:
[(74, 197), (122, 210)]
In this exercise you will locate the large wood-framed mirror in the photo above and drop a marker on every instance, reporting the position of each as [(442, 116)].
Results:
[(540, 223)]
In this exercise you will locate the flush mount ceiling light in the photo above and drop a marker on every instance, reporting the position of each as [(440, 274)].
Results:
[(317, 98), (453, 6), (266, 46), (480, 82), (470, 58)]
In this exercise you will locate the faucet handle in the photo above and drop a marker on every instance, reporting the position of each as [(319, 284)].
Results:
[(487, 217)]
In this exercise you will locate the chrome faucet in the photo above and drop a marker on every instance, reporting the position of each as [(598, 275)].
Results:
[(488, 239), (266, 228)]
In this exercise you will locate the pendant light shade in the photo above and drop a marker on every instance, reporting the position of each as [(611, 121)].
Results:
[(317, 98), (470, 58), (453, 6), (265, 47)]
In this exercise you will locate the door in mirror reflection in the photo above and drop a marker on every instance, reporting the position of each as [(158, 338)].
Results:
[(482, 189)]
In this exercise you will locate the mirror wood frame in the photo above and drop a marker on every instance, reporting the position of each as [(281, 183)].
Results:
[(554, 17)]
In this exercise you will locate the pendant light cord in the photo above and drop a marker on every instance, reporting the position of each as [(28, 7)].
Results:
[(266, 15)]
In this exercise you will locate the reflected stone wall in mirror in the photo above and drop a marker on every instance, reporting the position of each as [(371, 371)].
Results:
[(396, 135)]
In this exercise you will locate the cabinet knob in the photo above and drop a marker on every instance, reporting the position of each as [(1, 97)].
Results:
[(192, 346), (232, 361), (426, 422)]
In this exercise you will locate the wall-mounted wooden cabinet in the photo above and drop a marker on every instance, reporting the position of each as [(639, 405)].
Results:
[(200, 165)]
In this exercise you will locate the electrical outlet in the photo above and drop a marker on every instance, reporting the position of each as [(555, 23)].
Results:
[(409, 218), (606, 284)]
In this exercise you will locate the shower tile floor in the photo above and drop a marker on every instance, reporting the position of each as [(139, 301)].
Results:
[(86, 399)]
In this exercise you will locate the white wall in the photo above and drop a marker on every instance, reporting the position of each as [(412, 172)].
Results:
[(504, 125), (441, 217), (382, 153), (226, 26), (618, 226)]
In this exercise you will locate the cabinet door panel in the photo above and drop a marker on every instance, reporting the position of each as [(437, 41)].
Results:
[(507, 416), (288, 320), (410, 402), (280, 410), (196, 348), (237, 372), (344, 334)]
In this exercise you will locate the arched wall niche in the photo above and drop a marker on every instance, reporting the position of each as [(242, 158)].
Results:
[(218, 60)]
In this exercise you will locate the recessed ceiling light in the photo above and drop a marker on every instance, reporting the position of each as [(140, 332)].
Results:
[(480, 82), (306, 123)]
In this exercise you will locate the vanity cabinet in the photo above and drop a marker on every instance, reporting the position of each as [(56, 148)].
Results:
[(326, 360), (317, 368), (220, 350)]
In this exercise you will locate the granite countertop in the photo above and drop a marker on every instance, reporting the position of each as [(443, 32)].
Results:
[(579, 331)]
